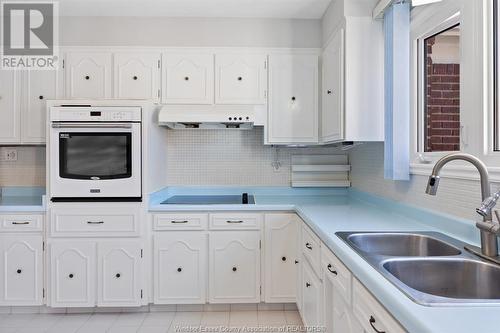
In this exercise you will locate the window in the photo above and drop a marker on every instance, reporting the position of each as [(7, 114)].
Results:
[(441, 91)]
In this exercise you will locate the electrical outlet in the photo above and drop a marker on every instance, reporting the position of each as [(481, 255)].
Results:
[(9, 154)]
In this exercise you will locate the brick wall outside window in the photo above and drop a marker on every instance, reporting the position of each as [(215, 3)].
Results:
[(442, 116)]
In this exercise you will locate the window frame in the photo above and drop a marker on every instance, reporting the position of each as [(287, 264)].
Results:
[(476, 78)]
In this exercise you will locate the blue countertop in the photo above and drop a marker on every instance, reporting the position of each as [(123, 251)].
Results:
[(328, 211), (22, 199)]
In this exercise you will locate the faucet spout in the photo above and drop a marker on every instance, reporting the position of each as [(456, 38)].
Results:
[(489, 245)]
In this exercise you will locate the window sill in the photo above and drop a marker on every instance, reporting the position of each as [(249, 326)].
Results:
[(454, 171)]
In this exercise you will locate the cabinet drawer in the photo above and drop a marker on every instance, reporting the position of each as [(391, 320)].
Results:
[(180, 221), (370, 313), (311, 248), (231, 221), (339, 274), (20, 223), (101, 222)]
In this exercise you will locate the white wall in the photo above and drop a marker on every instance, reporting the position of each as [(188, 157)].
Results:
[(28, 170), (217, 32)]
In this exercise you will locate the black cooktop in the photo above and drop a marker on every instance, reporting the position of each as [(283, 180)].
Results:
[(242, 199)]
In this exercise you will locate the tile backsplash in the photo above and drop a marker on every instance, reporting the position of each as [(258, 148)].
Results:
[(228, 157), (28, 170)]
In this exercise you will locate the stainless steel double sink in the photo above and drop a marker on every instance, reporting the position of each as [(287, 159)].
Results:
[(429, 267)]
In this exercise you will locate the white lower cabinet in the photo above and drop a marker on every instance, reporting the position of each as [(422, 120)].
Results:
[(234, 267), (89, 273), (311, 296), (281, 257), (180, 267), (21, 268)]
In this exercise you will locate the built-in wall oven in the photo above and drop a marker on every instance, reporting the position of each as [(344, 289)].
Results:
[(95, 153)]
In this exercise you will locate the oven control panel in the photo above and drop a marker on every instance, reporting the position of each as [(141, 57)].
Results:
[(100, 114)]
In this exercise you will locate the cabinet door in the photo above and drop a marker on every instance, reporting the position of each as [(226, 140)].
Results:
[(39, 86), (21, 270), (234, 267), (73, 274), (280, 247), (188, 78), (293, 99), (311, 296), (88, 75), (119, 273), (137, 75), (10, 116), (180, 267), (332, 109), (240, 79)]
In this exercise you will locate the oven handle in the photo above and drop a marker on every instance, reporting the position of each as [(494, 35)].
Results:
[(95, 125)]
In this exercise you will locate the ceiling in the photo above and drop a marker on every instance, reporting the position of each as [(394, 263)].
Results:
[(298, 9)]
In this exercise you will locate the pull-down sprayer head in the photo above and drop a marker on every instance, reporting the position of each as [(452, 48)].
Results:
[(432, 185)]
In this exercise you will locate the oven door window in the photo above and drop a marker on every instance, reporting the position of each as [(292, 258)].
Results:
[(95, 155)]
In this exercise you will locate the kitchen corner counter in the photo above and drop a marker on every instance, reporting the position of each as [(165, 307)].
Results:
[(327, 211), (22, 199)]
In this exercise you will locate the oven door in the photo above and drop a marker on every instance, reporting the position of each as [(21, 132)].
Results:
[(95, 160)]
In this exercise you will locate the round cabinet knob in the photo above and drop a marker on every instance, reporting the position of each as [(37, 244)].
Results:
[(329, 92), (71, 275), (283, 259), (234, 269), (179, 269), (87, 77), (40, 97), (240, 78), (118, 275), (135, 77), (296, 261), (308, 284), (186, 78), (293, 98), (19, 271)]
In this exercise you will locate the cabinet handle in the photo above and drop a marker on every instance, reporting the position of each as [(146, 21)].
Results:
[(87, 77), (118, 275), (308, 284), (186, 78), (283, 258), (229, 221), (329, 92), (240, 78), (71, 275), (134, 77), (293, 98), (185, 221), (296, 262), (19, 271), (234, 269), (179, 269), (329, 267), (20, 223), (40, 97), (309, 246), (372, 324), (95, 222)]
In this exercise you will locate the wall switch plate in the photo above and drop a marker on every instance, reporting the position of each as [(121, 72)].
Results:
[(9, 154)]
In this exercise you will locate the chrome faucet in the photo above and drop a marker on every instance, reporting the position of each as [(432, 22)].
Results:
[(489, 244)]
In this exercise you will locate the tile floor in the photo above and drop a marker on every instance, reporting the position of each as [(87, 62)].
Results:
[(152, 322)]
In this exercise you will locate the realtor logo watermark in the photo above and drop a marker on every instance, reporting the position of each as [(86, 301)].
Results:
[(30, 35)]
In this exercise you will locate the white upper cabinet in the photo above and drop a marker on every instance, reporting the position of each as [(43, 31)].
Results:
[(10, 112), (293, 99), (38, 87), (88, 75), (137, 75), (240, 78), (281, 243), (188, 78), (21, 270), (119, 273), (332, 109)]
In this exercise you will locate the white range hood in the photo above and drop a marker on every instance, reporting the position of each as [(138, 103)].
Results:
[(207, 117)]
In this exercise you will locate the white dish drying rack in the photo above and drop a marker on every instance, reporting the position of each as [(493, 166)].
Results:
[(321, 171)]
